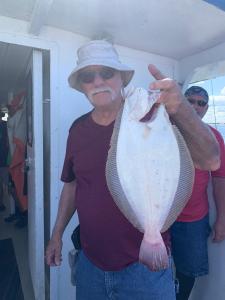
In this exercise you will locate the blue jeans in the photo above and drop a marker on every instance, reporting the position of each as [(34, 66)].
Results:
[(134, 282), (189, 247)]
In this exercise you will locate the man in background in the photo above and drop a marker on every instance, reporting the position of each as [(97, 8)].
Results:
[(17, 144), (191, 230), (4, 150)]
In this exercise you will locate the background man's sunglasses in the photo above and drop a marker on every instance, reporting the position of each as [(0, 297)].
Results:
[(89, 76), (201, 103)]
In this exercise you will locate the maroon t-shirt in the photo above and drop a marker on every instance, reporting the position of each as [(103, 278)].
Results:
[(108, 239)]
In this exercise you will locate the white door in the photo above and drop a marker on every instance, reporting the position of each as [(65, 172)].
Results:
[(35, 173)]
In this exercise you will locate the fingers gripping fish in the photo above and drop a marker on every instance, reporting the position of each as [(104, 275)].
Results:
[(149, 173)]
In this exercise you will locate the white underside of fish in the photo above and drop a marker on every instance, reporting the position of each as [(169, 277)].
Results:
[(148, 166)]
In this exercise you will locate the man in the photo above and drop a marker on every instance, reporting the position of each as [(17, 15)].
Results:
[(17, 144), (191, 230), (4, 149), (108, 265)]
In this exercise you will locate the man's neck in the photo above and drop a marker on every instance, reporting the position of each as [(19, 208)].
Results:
[(105, 115)]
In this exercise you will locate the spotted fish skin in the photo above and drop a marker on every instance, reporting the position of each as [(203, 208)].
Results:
[(143, 173)]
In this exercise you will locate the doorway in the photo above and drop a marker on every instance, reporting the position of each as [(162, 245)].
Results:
[(27, 70)]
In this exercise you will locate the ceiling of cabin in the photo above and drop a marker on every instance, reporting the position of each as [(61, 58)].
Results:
[(172, 28)]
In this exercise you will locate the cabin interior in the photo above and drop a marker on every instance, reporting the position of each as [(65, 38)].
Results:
[(38, 42)]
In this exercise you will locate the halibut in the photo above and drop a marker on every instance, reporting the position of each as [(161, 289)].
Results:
[(149, 173)]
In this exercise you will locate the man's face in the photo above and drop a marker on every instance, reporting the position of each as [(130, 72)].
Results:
[(102, 85), (199, 103)]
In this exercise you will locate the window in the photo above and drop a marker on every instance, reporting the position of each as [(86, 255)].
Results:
[(215, 115)]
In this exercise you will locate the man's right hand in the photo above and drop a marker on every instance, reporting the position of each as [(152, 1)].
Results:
[(53, 255)]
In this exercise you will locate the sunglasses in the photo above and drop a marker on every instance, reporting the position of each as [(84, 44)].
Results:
[(89, 76), (200, 103)]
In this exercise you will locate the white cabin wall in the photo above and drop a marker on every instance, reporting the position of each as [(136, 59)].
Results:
[(188, 64), (68, 104)]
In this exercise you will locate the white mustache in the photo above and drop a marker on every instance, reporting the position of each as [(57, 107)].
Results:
[(100, 90)]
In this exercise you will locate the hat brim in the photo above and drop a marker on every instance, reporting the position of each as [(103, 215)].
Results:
[(127, 71)]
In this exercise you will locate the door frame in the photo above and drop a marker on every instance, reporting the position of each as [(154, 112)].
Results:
[(52, 47), (35, 162)]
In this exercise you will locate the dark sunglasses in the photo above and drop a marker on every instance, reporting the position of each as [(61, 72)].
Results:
[(89, 76), (200, 103)]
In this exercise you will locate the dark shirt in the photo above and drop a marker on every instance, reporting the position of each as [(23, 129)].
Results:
[(108, 239)]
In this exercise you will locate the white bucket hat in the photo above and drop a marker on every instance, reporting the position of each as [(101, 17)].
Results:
[(98, 52)]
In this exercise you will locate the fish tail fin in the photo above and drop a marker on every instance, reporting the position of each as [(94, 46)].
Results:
[(153, 253)]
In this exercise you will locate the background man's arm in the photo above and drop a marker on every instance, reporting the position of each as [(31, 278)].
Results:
[(218, 184), (66, 210), (201, 142)]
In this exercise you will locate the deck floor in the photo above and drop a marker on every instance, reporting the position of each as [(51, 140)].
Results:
[(20, 242)]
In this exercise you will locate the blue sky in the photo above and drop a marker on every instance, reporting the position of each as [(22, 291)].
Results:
[(214, 86), (218, 3)]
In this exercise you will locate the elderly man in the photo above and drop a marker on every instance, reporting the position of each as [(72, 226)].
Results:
[(191, 230), (108, 266)]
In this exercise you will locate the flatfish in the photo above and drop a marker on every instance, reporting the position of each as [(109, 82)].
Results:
[(149, 173)]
